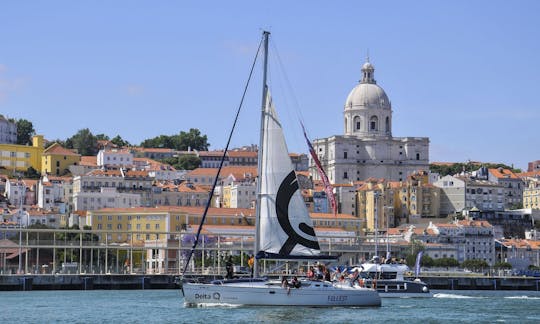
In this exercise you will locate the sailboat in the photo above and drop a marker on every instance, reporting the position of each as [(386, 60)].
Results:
[(284, 231)]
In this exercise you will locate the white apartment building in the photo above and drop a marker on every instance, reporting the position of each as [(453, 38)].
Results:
[(242, 194), (8, 131), (114, 157), (125, 181), (51, 193), (474, 239), (105, 198)]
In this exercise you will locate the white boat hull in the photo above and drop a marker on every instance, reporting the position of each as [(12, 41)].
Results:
[(269, 293)]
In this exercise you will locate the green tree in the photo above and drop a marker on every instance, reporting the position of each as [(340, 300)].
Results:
[(415, 247), (163, 141), (193, 139), (502, 265), (102, 137), (445, 262), (475, 265), (31, 173), (456, 168), (184, 162), (119, 141), (84, 141), (25, 131), (181, 142)]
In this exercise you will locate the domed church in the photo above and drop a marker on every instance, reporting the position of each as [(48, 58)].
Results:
[(368, 149)]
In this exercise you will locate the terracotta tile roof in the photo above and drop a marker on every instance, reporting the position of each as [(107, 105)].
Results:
[(210, 153), (184, 209), (474, 223), (57, 149), (446, 225), (238, 154), (154, 165), (238, 172), (88, 160), (532, 174), (183, 187), (58, 178), (331, 216), (503, 173)]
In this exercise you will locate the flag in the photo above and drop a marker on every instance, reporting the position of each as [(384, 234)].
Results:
[(328, 189), (417, 265)]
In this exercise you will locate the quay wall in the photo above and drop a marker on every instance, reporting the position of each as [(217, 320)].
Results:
[(88, 282), (159, 281)]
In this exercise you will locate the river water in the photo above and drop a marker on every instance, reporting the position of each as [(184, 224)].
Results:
[(166, 306)]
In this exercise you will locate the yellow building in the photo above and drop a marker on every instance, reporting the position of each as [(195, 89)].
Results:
[(375, 204), (121, 225), (531, 195), (56, 160), (21, 157)]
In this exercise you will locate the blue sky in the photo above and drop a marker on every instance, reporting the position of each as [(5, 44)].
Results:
[(466, 74)]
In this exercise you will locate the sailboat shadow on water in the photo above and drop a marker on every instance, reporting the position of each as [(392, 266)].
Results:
[(284, 231)]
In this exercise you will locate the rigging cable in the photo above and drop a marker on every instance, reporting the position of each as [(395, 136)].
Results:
[(210, 195)]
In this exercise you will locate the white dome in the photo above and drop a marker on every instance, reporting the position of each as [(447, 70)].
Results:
[(369, 95)]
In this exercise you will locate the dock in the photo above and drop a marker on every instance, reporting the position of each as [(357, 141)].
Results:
[(166, 281)]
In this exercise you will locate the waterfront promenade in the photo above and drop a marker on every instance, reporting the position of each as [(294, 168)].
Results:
[(161, 281)]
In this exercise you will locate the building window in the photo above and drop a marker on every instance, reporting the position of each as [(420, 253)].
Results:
[(344, 155), (345, 176), (373, 123)]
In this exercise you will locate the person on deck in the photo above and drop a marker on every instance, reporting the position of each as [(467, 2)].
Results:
[(285, 284), (251, 263), (337, 275), (229, 267), (354, 277), (295, 282)]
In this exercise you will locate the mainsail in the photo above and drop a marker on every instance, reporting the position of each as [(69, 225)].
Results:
[(286, 230)]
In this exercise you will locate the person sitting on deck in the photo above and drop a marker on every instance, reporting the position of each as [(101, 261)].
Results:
[(353, 277), (311, 273), (327, 275), (336, 275), (285, 284), (295, 282)]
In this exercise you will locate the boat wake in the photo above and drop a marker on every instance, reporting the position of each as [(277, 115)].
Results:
[(521, 297), (218, 305), (453, 296)]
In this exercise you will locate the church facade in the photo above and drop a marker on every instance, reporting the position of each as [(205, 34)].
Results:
[(367, 149)]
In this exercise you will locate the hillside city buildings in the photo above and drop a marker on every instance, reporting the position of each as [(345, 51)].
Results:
[(384, 190)]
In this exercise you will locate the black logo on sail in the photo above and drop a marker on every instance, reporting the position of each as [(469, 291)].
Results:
[(286, 190)]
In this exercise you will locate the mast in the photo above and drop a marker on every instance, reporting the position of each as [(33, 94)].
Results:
[(266, 34)]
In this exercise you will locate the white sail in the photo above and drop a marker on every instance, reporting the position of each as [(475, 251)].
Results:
[(285, 226)]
